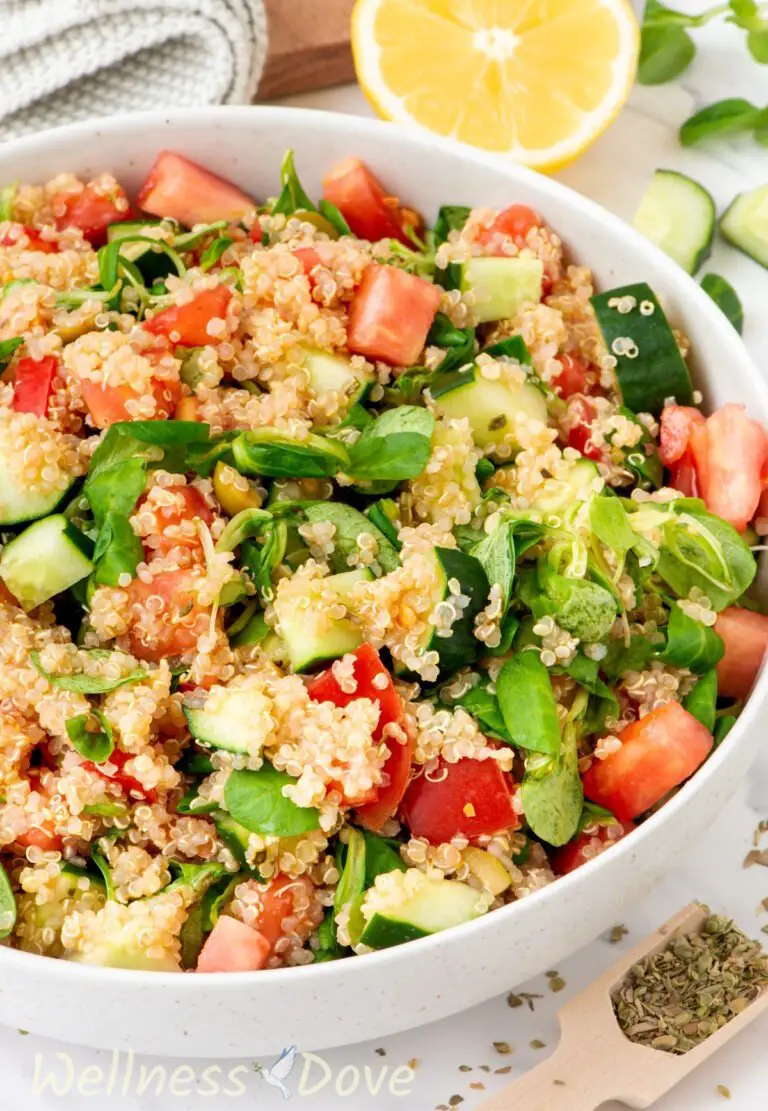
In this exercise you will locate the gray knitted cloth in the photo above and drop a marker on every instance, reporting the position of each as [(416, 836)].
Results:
[(66, 60)]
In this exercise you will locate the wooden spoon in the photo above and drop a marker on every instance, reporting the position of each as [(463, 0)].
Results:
[(595, 1061)]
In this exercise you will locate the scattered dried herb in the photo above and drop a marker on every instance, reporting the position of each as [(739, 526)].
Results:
[(756, 856), (454, 1101), (618, 933), (381, 1052), (502, 1071), (556, 983), (503, 1048), (677, 998), (517, 1000), (536, 1044), (477, 1086), (465, 1068), (723, 1091)]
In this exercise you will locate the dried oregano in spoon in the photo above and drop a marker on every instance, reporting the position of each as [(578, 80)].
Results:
[(678, 997)]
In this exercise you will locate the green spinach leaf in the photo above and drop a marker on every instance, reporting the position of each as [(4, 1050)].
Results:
[(255, 799), (552, 794), (394, 447), (484, 708), (527, 703), (96, 746), (292, 198), (690, 643), (382, 854), (702, 700), (87, 684)]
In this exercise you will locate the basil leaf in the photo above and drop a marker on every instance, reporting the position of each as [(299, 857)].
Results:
[(527, 704), (196, 876), (757, 44), (255, 799), (451, 217), (691, 644), (216, 897), (724, 117), (96, 747), (622, 658), (659, 15), (292, 196), (99, 860), (7, 905), (262, 560), (394, 447), (552, 794), (725, 297), (186, 804), (665, 53), (609, 522), (334, 217), (701, 550), (444, 333), (381, 855), (87, 684), (7, 348), (328, 948), (702, 700), (484, 708), (118, 550), (214, 251)]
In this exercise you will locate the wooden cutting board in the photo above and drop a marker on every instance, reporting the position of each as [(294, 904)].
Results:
[(308, 46)]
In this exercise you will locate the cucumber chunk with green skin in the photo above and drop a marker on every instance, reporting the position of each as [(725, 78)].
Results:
[(349, 524), (433, 906), (19, 504), (309, 646), (490, 405), (234, 836), (228, 718), (678, 215), (46, 559), (461, 647), (583, 480), (501, 286), (649, 366), (745, 224), (335, 374), (267, 451)]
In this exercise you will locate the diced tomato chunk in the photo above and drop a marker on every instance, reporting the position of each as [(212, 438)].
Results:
[(170, 629), (374, 682), (578, 425), (255, 232), (470, 797), (35, 241), (587, 846), (730, 465), (391, 314), (657, 753), (33, 385), (231, 946), (514, 222), (683, 475), (185, 191), (42, 836), (93, 211), (745, 635), (127, 783), (107, 404), (176, 518), (285, 898), (572, 378), (364, 204), (188, 324), (677, 424)]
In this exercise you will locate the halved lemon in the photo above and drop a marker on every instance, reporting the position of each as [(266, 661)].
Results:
[(534, 80)]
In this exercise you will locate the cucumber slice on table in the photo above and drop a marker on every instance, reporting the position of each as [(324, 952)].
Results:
[(678, 215), (649, 366), (745, 224), (434, 906), (44, 560)]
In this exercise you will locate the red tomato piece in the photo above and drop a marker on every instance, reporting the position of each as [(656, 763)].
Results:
[(33, 385), (39, 837), (514, 222), (189, 505), (384, 801), (172, 629), (677, 424), (308, 257), (587, 846), (579, 425), (470, 797), (683, 475), (288, 899), (35, 241), (391, 314), (572, 378), (182, 190), (188, 324), (231, 946), (745, 635), (107, 404), (255, 233), (364, 204), (730, 474), (127, 783), (93, 211), (657, 753)]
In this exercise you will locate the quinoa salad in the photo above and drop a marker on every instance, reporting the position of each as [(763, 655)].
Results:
[(359, 575)]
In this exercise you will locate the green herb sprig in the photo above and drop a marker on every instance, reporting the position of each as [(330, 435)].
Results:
[(666, 45)]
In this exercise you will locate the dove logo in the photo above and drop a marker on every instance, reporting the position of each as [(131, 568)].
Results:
[(280, 1071)]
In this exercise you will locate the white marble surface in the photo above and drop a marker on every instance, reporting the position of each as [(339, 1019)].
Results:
[(613, 172)]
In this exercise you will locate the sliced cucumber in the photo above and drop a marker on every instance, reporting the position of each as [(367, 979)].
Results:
[(345, 582), (230, 719), (461, 647), (649, 366), (44, 560), (501, 286), (491, 406), (268, 451), (19, 504), (678, 215), (234, 836), (349, 524), (433, 906), (745, 224), (564, 493), (335, 373), (311, 639)]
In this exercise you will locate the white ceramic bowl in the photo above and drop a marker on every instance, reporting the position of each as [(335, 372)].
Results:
[(365, 997)]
